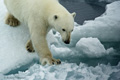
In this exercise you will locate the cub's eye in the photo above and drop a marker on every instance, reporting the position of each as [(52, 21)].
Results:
[(63, 29), (71, 30)]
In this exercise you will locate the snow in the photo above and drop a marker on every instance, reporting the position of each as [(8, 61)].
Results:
[(86, 43)]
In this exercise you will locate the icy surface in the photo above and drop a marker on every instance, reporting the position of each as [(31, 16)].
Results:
[(65, 71), (12, 44), (90, 48), (85, 44)]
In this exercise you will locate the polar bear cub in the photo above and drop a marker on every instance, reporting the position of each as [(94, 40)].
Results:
[(40, 16)]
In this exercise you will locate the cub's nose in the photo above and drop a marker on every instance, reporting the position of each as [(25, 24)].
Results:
[(67, 42)]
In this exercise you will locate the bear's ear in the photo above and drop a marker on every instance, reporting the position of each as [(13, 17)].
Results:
[(55, 17), (73, 14)]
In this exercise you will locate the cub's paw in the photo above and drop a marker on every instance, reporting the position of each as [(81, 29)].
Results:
[(50, 61), (29, 46), (11, 20)]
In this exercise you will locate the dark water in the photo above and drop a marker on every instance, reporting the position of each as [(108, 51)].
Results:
[(85, 10)]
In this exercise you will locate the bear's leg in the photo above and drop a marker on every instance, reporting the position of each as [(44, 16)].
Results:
[(29, 46), (11, 20), (43, 51), (38, 36)]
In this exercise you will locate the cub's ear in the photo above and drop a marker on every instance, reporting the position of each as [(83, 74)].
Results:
[(73, 14)]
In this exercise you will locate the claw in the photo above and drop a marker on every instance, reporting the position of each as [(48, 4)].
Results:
[(50, 61)]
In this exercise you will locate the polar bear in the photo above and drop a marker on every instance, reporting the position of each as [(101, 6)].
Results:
[(40, 16)]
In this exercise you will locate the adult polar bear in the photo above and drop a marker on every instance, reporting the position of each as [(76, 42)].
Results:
[(40, 16)]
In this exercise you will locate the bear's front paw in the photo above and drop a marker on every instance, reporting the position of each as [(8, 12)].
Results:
[(50, 61)]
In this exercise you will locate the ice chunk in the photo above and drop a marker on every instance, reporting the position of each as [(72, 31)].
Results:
[(85, 47), (91, 47)]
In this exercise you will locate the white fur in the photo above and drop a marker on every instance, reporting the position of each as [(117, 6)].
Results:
[(38, 15)]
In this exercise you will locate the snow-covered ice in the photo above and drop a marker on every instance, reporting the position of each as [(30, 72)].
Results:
[(66, 71), (91, 49), (86, 43)]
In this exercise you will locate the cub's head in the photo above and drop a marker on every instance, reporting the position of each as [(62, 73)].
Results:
[(64, 24)]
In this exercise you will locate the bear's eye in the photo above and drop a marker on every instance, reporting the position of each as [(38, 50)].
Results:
[(63, 29), (71, 30), (55, 17)]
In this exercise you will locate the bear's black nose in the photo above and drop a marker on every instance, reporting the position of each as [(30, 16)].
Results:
[(67, 42)]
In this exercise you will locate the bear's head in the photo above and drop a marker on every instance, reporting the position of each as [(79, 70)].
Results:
[(64, 24)]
